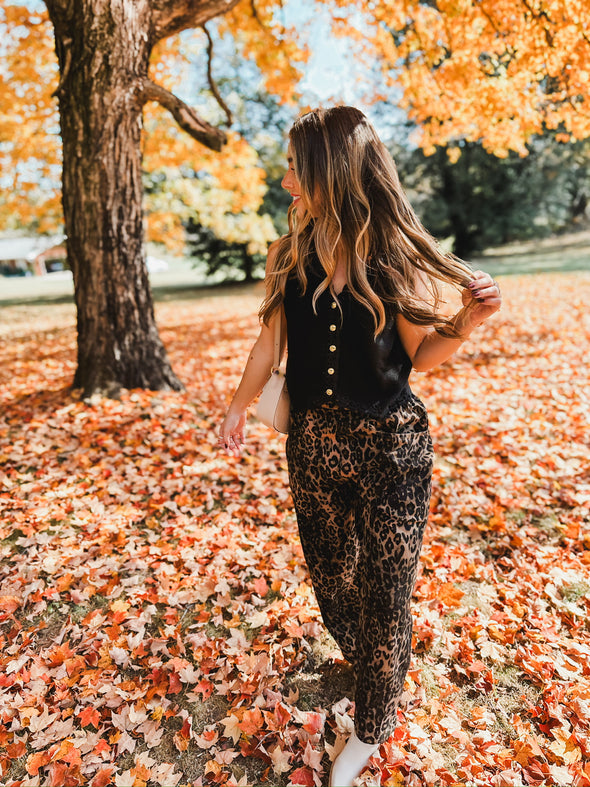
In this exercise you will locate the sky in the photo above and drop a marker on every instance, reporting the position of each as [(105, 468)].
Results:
[(330, 72), (335, 71)]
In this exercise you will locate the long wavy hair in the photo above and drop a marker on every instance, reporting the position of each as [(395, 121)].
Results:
[(364, 216)]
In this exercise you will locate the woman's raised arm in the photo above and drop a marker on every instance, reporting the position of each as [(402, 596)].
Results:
[(426, 348)]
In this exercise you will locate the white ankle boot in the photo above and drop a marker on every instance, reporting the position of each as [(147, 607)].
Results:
[(351, 761)]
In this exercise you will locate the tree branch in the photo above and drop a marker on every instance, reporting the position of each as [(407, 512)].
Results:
[(536, 15), (256, 15), (172, 16), (212, 86), (185, 116)]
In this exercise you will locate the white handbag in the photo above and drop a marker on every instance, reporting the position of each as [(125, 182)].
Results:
[(273, 405)]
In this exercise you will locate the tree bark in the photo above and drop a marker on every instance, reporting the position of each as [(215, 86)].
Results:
[(103, 48)]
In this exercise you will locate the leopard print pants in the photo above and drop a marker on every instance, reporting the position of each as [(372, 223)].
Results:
[(361, 489)]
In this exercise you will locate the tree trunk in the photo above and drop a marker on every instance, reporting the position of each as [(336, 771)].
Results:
[(103, 47)]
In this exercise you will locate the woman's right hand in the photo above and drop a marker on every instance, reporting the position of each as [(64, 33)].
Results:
[(232, 432)]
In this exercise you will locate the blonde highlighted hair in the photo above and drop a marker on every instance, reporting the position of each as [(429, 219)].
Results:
[(345, 170)]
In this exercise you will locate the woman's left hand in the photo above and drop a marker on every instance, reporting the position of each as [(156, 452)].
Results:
[(482, 297)]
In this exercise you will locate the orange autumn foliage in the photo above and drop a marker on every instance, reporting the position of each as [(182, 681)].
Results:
[(490, 70), (29, 153), (498, 71)]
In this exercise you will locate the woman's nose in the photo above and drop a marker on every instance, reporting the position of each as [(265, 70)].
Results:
[(287, 181)]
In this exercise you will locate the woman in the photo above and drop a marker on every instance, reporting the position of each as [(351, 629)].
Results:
[(355, 284)]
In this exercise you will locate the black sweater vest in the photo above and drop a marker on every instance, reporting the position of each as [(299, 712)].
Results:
[(333, 357)]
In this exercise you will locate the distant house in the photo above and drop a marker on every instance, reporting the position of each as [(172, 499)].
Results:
[(34, 256), (43, 254)]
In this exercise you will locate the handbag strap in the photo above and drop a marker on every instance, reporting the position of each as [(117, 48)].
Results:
[(277, 354)]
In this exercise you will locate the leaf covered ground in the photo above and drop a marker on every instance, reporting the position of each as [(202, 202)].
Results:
[(158, 626)]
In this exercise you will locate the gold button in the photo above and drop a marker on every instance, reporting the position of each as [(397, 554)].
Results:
[(332, 327), (329, 391), (332, 348), (333, 304), (330, 371)]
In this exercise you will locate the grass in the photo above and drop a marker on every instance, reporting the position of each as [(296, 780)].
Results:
[(557, 254)]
